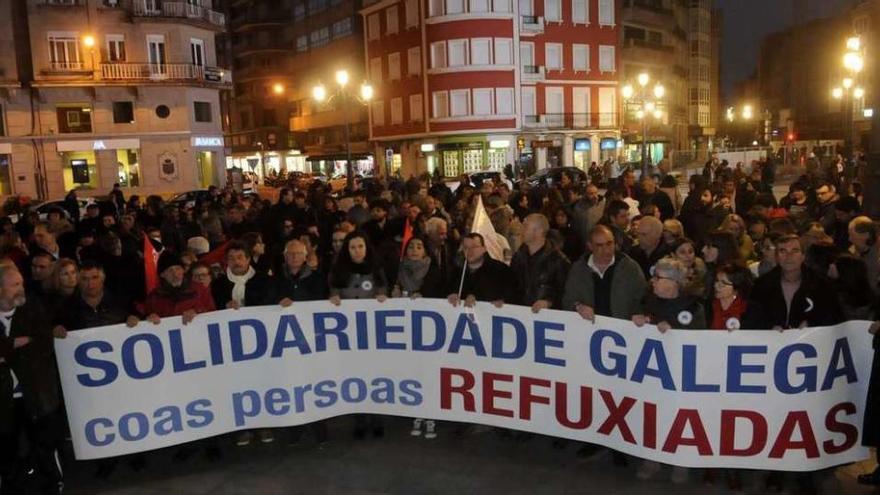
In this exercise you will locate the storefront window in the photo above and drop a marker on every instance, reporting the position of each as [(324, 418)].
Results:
[(396, 162), (129, 168), (5, 175), (450, 163), (80, 170), (582, 153), (497, 158), (608, 149), (205, 166), (295, 163)]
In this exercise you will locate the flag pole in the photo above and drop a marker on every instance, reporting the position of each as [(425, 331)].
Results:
[(461, 283)]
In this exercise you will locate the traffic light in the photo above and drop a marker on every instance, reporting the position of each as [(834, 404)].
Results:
[(791, 136)]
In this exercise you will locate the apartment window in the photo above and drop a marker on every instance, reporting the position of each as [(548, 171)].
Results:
[(479, 5), (438, 54), (504, 101), (580, 12), (378, 113), (73, 119), (553, 56), (553, 10), (376, 69), (316, 6), (415, 108), (411, 11), (115, 48), (197, 51), (483, 101), (526, 8), (527, 53), (458, 53), (299, 11), (440, 104), (607, 106), (459, 102), (529, 101), (319, 38), (64, 51), (606, 12), (501, 5), (480, 51), (454, 7), (607, 61), (373, 27), (581, 57), (503, 51), (396, 110), (394, 66), (414, 61), (302, 43), (202, 111), (123, 112), (436, 7), (342, 28), (391, 20)]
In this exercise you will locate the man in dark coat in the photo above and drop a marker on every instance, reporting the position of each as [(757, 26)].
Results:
[(241, 285), (297, 281), (30, 398), (791, 295), (485, 279), (540, 269)]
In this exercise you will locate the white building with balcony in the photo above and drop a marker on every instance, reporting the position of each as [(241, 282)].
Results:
[(113, 91)]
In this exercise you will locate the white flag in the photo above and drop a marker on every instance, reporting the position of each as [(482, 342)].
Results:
[(483, 226)]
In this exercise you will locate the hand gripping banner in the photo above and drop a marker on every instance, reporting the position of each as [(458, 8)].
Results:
[(742, 399)]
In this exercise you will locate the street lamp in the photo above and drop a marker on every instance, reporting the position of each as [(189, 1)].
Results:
[(320, 95), (88, 41), (278, 89), (645, 102), (849, 91)]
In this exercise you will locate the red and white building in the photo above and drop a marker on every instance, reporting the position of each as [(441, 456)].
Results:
[(467, 85)]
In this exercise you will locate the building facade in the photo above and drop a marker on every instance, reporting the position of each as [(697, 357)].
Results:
[(676, 42), (100, 92), (280, 51), (463, 86)]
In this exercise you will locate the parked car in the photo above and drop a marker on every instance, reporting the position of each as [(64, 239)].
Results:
[(554, 175), (43, 208)]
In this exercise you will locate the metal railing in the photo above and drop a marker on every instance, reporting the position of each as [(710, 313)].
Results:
[(66, 66), (62, 3), (188, 72), (572, 121), (178, 9)]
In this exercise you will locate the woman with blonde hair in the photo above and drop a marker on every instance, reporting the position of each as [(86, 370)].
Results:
[(735, 225)]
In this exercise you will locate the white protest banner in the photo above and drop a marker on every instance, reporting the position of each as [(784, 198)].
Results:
[(742, 399)]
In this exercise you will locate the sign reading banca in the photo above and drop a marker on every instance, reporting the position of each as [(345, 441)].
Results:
[(742, 399)]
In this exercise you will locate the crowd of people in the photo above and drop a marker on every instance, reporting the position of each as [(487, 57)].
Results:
[(726, 256)]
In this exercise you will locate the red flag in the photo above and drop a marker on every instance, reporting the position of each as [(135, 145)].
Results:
[(151, 265), (407, 235), (218, 255)]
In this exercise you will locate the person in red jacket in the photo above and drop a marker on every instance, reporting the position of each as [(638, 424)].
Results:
[(176, 295), (732, 285)]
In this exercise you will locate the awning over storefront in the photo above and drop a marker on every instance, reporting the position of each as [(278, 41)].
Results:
[(99, 144)]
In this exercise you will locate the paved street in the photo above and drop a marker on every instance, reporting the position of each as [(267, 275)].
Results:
[(399, 464)]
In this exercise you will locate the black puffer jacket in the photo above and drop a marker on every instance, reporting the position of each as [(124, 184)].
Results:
[(541, 275), (814, 303)]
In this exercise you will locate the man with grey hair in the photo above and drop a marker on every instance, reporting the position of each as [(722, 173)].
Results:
[(440, 248), (540, 269), (668, 306), (30, 398), (650, 247)]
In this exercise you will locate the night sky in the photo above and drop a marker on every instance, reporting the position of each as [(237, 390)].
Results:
[(746, 22)]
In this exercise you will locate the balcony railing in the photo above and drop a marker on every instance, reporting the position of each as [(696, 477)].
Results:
[(66, 66), (178, 9), (571, 121), (163, 72), (62, 3), (532, 24)]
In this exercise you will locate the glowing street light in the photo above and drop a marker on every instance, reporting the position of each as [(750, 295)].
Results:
[(640, 114), (342, 78), (747, 112), (278, 88), (650, 106), (319, 92), (853, 43), (658, 114), (847, 82), (88, 40), (859, 93), (627, 92), (366, 92), (644, 79), (659, 91), (837, 93)]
